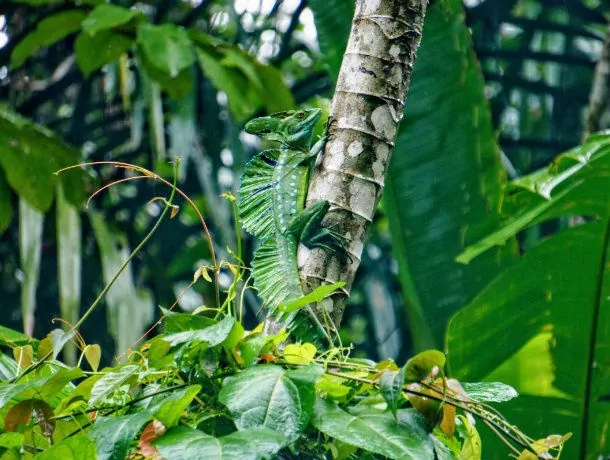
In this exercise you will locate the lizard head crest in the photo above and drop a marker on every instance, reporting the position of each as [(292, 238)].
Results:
[(293, 128)]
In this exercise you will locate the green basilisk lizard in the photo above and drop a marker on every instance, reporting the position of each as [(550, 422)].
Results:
[(272, 207)]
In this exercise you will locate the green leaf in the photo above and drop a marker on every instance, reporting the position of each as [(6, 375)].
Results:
[(11, 440), (107, 16), (54, 342), (111, 381), (390, 385), (179, 322), (299, 353), (489, 391), (249, 85), (167, 47), (272, 397), (46, 388), (54, 387), (443, 191), (317, 295), (95, 51), (114, 436), (93, 355), (177, 87), (186, 444), (169, 407), (212, 335), (73, 448), (471, 448), (11, 338), (534, 328), (49, 31), (376, 431), (30, 155)]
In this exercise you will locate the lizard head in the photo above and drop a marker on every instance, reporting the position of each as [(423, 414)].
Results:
[(293, 128)]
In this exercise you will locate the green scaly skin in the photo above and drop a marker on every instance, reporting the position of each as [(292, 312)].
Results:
[(272, 208)]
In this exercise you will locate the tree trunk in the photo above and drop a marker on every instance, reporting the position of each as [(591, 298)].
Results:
[(366, 109)]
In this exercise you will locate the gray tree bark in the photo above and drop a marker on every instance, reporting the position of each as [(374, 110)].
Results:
[(366, 110)]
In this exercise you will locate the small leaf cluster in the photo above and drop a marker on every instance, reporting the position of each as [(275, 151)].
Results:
[(164, 53)]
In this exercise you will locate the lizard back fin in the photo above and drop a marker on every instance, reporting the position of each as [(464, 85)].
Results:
[(255, 191), (273, 281)]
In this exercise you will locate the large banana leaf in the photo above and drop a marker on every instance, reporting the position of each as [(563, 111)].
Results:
[(445, 176), (543, 326)]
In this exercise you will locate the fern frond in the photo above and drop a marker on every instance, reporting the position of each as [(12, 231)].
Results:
[(256, 194)]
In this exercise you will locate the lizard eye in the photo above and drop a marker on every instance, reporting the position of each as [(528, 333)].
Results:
[(300, 115)]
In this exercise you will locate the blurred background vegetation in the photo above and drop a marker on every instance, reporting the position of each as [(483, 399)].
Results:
[(500, 88)]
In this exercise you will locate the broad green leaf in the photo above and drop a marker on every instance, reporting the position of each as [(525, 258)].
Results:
[(248, 84), (391, 384), (107, 16), (552, 301), (54, 342), (530, 199), (11, 440), (329, 386), (55, 387), (177, 87), (95, 51), (9, 391), (231, 82), (169, 407), (544, 323), (180, 322), (24, 356), (30, 155), (187, 444), (49, 31), (489, 391), (8, 367), (6, 208), (46, 388), (93, 355), (444, 184), (115, 435), (471, 447), (376, 431), (78, 447), (317, 295), (299, 353), (112, 381), (9, 337), (272, 397), (167, 47), (213, 335)]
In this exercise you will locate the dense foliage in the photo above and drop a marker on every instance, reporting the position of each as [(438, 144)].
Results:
[(131, 84)]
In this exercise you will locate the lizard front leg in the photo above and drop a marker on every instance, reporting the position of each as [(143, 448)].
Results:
[(307, 227)]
